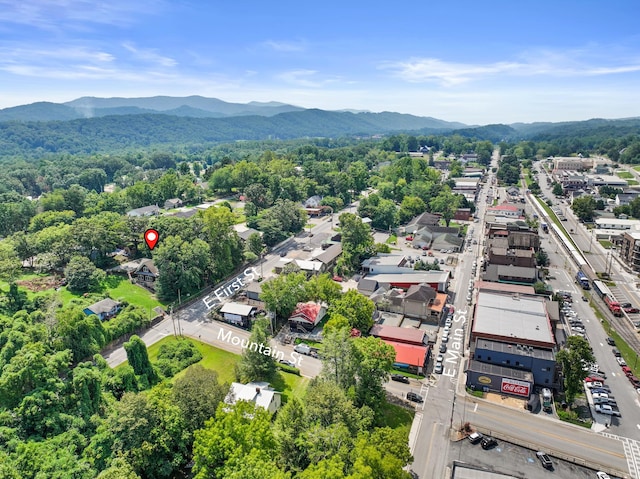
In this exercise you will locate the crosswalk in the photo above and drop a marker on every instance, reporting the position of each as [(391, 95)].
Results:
[(631, 451)]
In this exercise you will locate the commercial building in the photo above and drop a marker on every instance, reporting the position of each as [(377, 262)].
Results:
[(505, 380), (438, 280), (572, 163), (512, 318), (499, 273), (413, 336), (410, 357), (617, 224), (512, 342), (506, 209), (384, 263), (630, 249)]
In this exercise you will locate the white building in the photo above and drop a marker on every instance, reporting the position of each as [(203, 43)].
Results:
[(617, 224), (260, 394)]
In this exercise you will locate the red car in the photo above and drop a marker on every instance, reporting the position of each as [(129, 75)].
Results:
[(409, 238), (337, 278), (627, 371), (590, 379)]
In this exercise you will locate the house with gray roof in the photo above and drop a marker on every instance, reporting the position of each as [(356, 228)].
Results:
[(145, 211), (104, 309)]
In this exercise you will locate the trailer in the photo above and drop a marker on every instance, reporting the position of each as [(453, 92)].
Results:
[(582, 280)]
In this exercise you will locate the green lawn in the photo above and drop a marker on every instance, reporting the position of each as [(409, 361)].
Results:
[(119, 288), (392, 239), (223, 362), (624, 174), (637, 168), (633, 182), (606, 243), (397, 416)]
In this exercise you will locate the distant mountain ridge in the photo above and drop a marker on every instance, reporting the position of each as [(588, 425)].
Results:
[(199, 107)]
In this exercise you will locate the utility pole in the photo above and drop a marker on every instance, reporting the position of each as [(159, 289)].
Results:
[(173, 321), (179, 303)]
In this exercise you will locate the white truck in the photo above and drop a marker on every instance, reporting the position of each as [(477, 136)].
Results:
[(302, 349)]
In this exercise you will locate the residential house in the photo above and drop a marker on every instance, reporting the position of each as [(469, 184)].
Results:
[(244, 234), (145, 211), (172, 203), (104, 309), (146, 274), (237, 314), (258, 393), (425, 219), (420, 301), (437, 237), (623, 199), (329, 256), (307, 316)]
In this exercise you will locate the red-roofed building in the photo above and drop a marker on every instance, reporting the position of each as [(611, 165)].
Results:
[(306, 316), (400, 335), (505, 210), (410, 357)]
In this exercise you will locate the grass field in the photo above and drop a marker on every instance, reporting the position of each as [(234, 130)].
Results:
[(624, 174), (633, 182), (555, 219), (637, 168), (119, 288), (606, 243), (396, 417), (223, 362)]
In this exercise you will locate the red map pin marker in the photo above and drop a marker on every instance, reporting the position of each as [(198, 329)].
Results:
[(151, 238)]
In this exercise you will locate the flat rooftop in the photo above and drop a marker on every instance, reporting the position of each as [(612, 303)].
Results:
[(411, 276), (514, 317), (503, 371), (532, 351)]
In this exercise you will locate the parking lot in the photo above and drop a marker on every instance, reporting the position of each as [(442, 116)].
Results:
[(507, 458)]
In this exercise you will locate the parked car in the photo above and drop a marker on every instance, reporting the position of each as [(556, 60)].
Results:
[(627, 371), (287, 363), (634, 380), (594, 384), (411, 396), (443, 348), (584, 298), (400, 378), (438, 368), (608, 410), (440, 358), (602, 475), (488, 443), (611, 342), (545, 460), (621, 362), (616, 352), (593, 377), (631, 310), (475, 438), (283, 254)]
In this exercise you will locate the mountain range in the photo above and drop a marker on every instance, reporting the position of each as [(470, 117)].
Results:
[(91, 125)]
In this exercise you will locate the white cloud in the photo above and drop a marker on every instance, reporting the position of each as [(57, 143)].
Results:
[(61, 14), (566, 64), (285, 46), (149, 55), (305, 79)]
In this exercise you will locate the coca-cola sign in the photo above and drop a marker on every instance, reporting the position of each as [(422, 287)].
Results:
[(513, 386)]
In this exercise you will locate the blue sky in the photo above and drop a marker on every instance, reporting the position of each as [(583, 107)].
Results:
[(470, 61)]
